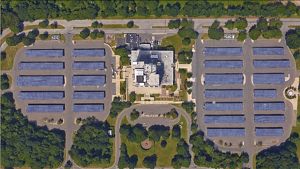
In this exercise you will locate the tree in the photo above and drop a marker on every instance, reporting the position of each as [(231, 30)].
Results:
[(19, 27), (172, 9), (150, 161), (254, 33), (185, 57), (292, 38), (241, 23), (174, 24), (215, 31), (4, 82), (123, 52), (297, 54), (188, 33), (33, 33), (117, 106), (155, 132), (132, 161), (132, 97), (262, 24), (68, 164), (95, 24), (134, 115), (84, 33), (101, 34), (176, 132), (54, 25), (130, 24), (3, 55), (275, 23), (229, 24), (94, 34), (163, 143), (242, 36), (188, 106), (272, 33), (44, 23), (186, 41), (28, 41), (15, 39), (44, 36)]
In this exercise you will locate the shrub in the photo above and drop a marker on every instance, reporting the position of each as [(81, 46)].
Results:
[(130, 24), (163, 143), (44, 36), (242, 36), (186, 41), (229, 24), (134, 115), (44, 23), (85, 33)]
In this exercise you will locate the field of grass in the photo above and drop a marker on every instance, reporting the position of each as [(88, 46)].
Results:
[(176, 42), (160, 27), (6, 36), (164, 155), (297, 129), (77, 37), (11, 51), (28, 27)]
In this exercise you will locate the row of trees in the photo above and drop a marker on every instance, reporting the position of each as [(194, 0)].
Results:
[(14, 12), (185, 57), (207, 156), (92, 143), (4, 82), (27, 40), (183, 157), (24, 144), (267, 29), (117, 106), (189, 108), (94, 34)]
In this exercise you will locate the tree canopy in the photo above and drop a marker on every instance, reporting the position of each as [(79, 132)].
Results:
[(292, 38)]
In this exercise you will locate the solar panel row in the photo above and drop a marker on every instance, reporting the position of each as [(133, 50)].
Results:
[(223, 93), (44, 52), (271, 63), (40, 80), (89, 95), (95, 52), (86, 65), (88, 80), (224, 78), (45, 108), (41, 66), (268, 78), (223, 51), (225, 132), (224, 119), (223, 64), (41, 95), (223, 106), (78, 108), (268, 51), (274, 118), (269, 106), (265, 93), (271, 132)]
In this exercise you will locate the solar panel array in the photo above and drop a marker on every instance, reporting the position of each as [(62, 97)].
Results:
[(265, 93), (224, 119), (44, 52), (223, 93), (224, 78), (268, 51), (41, 95), (88, 52), (223, 64), (269, 106), (41, 66), (79, 108), (268, 78), (271, 63), (225, 132), (223, 51), (223, 106), (88, 80), (270, 132), (45, 108), (40, 80), (87, 65), (88, 95), (272, 118)]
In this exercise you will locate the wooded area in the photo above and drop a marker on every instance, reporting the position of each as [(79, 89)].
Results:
[(13, 12), (24, 144)]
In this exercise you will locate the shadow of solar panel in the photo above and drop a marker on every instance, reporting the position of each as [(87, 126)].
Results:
[(45, 108), (223, 78), (270, 132), (81, 108), (223, 64), (264, 118), (223, 51), (88, 80), (94, 52), (268, 51), (223, 93), (44, 52), (41, 95), (78, 65), (225, 132), (268, 78), (223, 106), (224, 119), (39, 80), (41, 66), (89, 95), (265, 93), (267, 106), (271, 63)]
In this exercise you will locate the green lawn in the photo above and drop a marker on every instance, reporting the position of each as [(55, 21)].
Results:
[(297, 129), (77, 37), (28, 27), (11, 51), (164, 155), (176, 42), (117, 26)]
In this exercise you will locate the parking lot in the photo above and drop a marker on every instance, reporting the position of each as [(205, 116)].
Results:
[(56, 80), (240, 93)]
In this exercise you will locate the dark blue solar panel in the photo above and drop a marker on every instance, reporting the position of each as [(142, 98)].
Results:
[(264, 118), (88, 52), (265, 93), (268, 78), (88, 65), (268, 51), (41, 66), (223, 64), (223, 51), (223, 93), (271, 63), (44, 52), (78, 108), (41, 95), (225, 132), (89, 95), (88, 80), (224, 78), (224, 119), (262, 106), (269, 131), (45, 108), (223, 106), (46, 80)]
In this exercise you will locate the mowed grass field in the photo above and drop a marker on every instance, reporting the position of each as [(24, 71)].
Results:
[(164, 155), (176, 42), (11, 51)]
